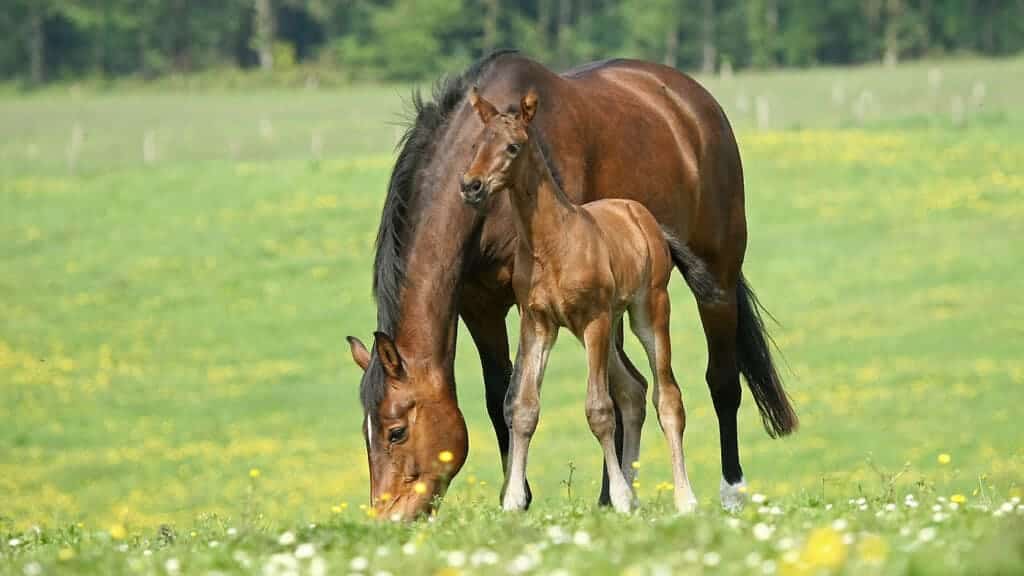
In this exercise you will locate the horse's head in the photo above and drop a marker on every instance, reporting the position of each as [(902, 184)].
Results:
[(499, 145), (416, 437)]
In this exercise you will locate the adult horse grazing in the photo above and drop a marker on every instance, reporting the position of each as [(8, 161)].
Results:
[(582, 268), (616, 129)]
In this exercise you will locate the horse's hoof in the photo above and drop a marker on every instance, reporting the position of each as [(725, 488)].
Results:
[(734, 496)]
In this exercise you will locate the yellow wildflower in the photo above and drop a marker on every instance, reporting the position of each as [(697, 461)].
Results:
[(336, 509), (958, 498), (824, 548), (945, 459), (445, 456), (65, 554), (873, 549), (636, 464), (117, 532), (254, 473), (371, 512), (419, 488), (385, 497)]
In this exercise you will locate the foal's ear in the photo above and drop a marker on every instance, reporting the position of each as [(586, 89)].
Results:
[(483, 108), (528, 106), (390, 359), (359, 353)]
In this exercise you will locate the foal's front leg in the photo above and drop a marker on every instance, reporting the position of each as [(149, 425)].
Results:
[(601, 410), (522, 404)]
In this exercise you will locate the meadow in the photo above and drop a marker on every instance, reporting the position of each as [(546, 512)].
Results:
[(178, 271)]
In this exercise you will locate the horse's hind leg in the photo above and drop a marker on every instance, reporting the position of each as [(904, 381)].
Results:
[(649, 320), (723, 379), (629, 390)]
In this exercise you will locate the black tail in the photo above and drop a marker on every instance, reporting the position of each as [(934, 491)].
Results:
[(694, 270), (755, 362)]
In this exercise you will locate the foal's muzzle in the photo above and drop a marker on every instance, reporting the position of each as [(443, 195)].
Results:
[(474, 191)]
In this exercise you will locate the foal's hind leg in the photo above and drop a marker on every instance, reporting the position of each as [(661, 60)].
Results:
[(723, 378), (600, 408), (650, 322), (629, 391)]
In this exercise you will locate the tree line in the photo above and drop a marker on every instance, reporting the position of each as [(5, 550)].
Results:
[(46, 40)]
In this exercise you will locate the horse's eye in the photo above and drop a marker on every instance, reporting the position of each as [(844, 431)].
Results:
[(397, 435), (512, 149)]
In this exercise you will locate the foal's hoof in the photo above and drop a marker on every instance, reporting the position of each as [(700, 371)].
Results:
[(734, 496), (687, 505), (515, 500)]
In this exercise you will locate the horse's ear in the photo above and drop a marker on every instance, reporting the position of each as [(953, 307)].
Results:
[(390, 359), (528, 106), (359, 353), (483, 108)]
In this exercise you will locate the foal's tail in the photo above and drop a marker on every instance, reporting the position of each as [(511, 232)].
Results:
[(755, 362), (694, 270)]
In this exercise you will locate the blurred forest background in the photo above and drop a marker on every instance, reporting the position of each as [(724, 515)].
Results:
[(337, 41)]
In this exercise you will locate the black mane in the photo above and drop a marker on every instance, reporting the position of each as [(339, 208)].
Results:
[(426, 119)]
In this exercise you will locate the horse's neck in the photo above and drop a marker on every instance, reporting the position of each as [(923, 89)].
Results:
[(426, 326), (541, 210)]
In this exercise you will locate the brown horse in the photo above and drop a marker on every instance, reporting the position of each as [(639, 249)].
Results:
[(616, 129), (582, 268)]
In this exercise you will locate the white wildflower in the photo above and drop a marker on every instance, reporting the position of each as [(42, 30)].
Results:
[(768, 567), (763, 531), (409, 548), (840, 524), (32, 569), (926, 534), (172, 566), (753, 560), (758, 498), (557, 535), (318, 566), (581, 539), (456, 558), (483, 557), (14, 542), (358, 564), (712, 559), (286, 539), (784, 543), (304, 551)]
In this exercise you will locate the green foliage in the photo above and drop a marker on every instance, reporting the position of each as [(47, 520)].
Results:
[(415, 39)]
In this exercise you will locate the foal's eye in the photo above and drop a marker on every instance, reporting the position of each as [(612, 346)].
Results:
[(512, 149), (396, 435)]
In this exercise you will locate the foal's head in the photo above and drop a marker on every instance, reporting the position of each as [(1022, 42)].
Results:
[(504, 137)]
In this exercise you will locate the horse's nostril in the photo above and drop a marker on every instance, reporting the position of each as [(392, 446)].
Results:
[(476, 185)]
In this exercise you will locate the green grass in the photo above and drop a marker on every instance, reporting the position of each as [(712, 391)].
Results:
[(166, 328)]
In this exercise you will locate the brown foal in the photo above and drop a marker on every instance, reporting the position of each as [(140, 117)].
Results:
[(581, 267)]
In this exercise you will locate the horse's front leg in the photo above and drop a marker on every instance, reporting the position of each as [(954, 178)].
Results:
[(522, 404), (601, 409), (484, 314)]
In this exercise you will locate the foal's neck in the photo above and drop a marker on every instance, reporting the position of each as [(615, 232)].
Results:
[(541, 208)]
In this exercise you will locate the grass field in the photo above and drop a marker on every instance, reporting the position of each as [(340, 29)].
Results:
[(176, 393)]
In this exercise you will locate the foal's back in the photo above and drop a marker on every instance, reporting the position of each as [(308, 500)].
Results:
[(638, 257)]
